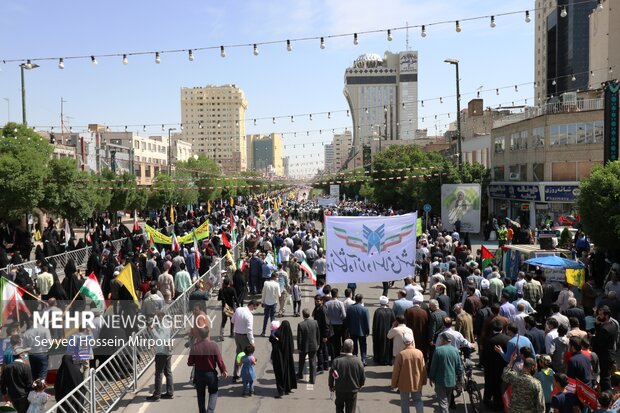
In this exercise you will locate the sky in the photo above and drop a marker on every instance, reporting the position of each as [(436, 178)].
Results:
[(276, 82)]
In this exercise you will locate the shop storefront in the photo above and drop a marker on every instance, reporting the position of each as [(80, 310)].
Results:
[(535, 203)]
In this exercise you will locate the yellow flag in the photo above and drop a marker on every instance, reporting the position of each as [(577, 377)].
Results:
[(418, 230), (171, 215), (126, 279), (575, 277), (232, 201), (208, 207)]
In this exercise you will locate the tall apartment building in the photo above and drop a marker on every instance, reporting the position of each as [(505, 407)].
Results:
[(342, 144), (265, 153), (330, 167), (562, 50), (382, 94), (604, 41), (214, 124)]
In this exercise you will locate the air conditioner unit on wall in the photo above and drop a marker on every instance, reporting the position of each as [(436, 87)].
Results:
[(514, 176)]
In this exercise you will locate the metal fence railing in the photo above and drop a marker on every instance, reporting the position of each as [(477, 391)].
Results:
[(106, 385)]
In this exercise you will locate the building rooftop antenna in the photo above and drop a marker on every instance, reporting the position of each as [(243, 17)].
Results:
[(407, 37)]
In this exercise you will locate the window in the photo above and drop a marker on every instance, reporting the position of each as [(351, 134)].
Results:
[(498, 173), (147, 171), (563, 171), (538, 172), (538, 137), (499, 144), (598, 132), (580, 134)]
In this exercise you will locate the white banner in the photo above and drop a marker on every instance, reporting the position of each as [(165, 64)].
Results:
[(328, 201), (334, 191), (370, 249)]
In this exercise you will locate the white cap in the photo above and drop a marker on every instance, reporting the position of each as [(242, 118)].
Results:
[(407, 338), (383, 300)]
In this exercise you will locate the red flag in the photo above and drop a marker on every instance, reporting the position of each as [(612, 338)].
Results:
[(486, 253), (136, 227), (196, 252), (226, 241), (175, 243)]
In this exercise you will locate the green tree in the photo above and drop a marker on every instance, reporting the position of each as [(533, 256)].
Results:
[(599, 205), (66, 191), (24, 158)]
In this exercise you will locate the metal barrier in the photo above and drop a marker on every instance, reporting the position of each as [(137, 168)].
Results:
[(105, 386)]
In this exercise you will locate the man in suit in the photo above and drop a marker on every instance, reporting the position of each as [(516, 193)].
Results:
[(308, 339), (577, 312), (358, 325), (493, 364), (346, 377), (435, 323)]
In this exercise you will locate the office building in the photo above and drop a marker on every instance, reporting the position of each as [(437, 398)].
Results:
[(265, 153), (382, 94), (214, 124), (329, 167), (604, 41)]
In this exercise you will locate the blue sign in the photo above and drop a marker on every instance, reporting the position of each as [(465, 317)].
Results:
[(427, 208), (522, 192), (561, 193)]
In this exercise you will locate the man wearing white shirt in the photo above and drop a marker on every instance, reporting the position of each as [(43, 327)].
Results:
[(520, 300), (519, 318), (270, 295), (243, 322), (284, 255), (520, 283), (552, 333)]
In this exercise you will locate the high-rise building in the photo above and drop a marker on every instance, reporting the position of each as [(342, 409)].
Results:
[(342, 144), (562, 47), (265, 153), (213, 123), (329, 158), (604, 41), (382, 94)]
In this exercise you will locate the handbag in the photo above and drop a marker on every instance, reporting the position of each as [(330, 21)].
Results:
[(228, 311)]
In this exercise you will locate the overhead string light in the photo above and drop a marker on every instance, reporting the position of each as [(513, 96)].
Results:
[(157, 58), (564, 12), (222, 51), (93, 60), (61, 63), (423, 31), (289, 47), (125, 60), (322, 45), (389, 35), (527, 16), (255, 50), (493, 24), (190, 55), (458, 26), (355, 41)]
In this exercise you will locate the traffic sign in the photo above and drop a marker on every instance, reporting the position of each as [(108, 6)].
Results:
[(427, 208)]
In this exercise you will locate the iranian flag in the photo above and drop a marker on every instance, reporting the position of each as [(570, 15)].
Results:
[(91, 289), (487, 257), (309, 271), (196, 251), (241, 264), (12, 300), (175, 243)]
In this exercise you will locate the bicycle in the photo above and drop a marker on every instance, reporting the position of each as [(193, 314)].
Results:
[(470, 386)]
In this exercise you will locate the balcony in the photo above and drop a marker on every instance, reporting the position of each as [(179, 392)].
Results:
[(551, 109)]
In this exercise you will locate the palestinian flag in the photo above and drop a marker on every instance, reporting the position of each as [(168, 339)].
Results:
[(196, 251), (226, 241), (175, 243), (12, 301), (92, 290), (487, 257), (309, 271), (152, 244)]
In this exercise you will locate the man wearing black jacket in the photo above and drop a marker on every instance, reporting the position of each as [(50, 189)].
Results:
[(325, 332), (17, 380), (493, 364)]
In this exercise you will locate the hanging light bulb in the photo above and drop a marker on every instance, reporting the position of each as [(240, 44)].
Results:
[(389, 35), (181, 126), (422, 103), (564, 12), (190, 55), (497, 92), (366, 110), (163, 128), (516, 88), (440, 100), (157, 58), (573, 78), (611, 70), (599, 6), (255, 122), (527, 16), (218, 124), (125, 128), (93, 60), (125, 60), (237, 123), (348, 114), (222, 52), (289, 47), (355, 41), (329, 115), (292, 119), (493, 24), (478, 95), (423, 31), (322, 43), (28, 65), (554, 82), (273, 120), (592, 73), (52, 129), (61, 63), (255, 50), (458, 26), (200, 124)]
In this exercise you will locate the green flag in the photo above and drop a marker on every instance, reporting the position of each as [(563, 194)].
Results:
[(418, 229)]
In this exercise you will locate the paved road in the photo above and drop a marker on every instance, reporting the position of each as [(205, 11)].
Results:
[(376, 396)]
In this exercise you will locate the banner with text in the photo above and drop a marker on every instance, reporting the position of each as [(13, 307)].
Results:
[(370, 249)]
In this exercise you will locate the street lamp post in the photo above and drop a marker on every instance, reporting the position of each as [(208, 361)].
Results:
[(170, 151), (25, 66), (455, 62)]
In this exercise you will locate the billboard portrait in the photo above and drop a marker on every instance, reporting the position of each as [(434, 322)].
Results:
[(460, 206)]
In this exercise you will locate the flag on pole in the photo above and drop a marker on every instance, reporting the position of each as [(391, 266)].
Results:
[(171, 215), (226, 241), (175, 243), (418, 228), (209, 207), (136, 226), (241, 264), (576, 277), (196, 251), (309, 271), (92, 290), (12, 300), (126, 279), (67, 232), (152, 244), (232, 201), (233, 230), (487, 257)]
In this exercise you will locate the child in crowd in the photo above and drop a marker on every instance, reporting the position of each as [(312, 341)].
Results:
[(545, 376), (37, 397), (248, 372), (604, 401), (296, 295)]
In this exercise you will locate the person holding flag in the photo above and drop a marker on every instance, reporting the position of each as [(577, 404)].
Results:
[(486, 257)]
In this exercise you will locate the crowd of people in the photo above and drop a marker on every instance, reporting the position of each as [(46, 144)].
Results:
[(532, 338)]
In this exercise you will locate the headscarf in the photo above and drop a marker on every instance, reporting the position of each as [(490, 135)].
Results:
[(68, 377)]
